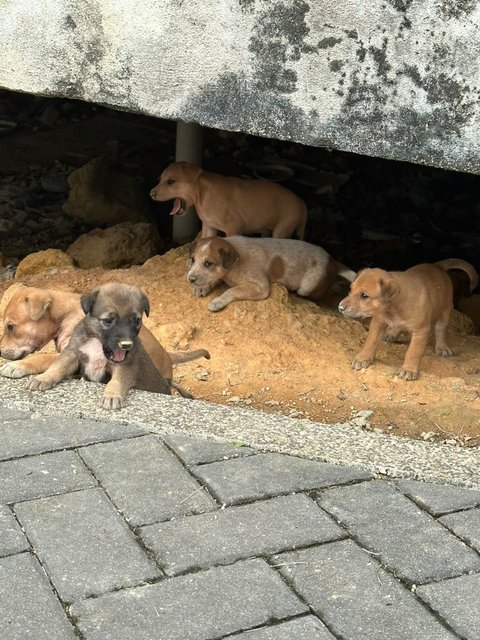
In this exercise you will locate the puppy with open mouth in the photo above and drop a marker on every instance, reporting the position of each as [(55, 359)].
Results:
[(105, 347)]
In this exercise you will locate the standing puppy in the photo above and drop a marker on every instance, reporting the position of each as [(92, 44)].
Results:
[(412, 301), (250, 265), (105, 347), (232, 205)]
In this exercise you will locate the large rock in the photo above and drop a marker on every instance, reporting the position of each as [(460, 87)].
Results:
[(119, 246), (101, 194), (43, 262), (390, 78)]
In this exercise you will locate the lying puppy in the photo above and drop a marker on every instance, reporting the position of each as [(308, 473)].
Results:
[(250, 265), (34, 316), (232, 205), (412, 301), (105, 347)]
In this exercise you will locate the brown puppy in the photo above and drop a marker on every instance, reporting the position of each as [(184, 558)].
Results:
[(250, 265), (412, 301), (35, 316), (105, 347), (232, 205)]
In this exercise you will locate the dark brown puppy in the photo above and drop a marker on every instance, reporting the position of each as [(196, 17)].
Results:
[(105, 347), (414, 300)]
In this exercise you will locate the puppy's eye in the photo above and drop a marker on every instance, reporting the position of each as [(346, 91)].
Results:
[(192, 260), (207, 264), (9, 327), (170, 181), (107, 322), (363, 295)]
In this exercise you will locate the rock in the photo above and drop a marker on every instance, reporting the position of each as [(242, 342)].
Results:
[(100, 194), (42, 261), (119, 246)]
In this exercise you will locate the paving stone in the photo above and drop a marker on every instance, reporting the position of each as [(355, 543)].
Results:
[(23, 437), (306, 628), (270, 474), (200, 606), (28, 606), (44, 475), (439, 498), (83, 544), (465, 525), (241, 532), (407, 540), (457, 602), (146, 481), (202, 451), (355, 597), (12, 539)]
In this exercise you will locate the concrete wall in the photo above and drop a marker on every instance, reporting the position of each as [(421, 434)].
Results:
[(392, 78)]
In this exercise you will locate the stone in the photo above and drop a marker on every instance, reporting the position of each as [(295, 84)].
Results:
[(305, 628), (201, 451), (46, 261), (465, 525), (439, 499), (102, 194), (122, 245), (12, 539)]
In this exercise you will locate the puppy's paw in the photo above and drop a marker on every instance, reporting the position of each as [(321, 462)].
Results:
[(112, 402), (405, 374), (40, 383), (361, 363), (440, 351), (201, 291), (217, 304), (13, 370)]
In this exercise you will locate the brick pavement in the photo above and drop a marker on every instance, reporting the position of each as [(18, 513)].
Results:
[(108, 532)]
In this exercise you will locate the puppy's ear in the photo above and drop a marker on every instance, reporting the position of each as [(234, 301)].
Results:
[(228, 255), (37, 304), (145, 305), (191, 251), (388, 288), (88, 299)]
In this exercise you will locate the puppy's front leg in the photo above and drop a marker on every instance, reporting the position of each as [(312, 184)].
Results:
[(115, 394), (364, 358), (411, 365), (246, 291), (64, 366), (37, 363)]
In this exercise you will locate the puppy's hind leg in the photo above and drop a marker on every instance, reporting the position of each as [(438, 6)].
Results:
[(441, 346), (317, 280)]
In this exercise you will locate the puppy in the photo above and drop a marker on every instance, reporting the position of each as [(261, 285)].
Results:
[(35, 316), (231, 205), (105, 347), (412, 301), (250, 265)]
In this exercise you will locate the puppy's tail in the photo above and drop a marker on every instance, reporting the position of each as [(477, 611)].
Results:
[(187, 356), (345, 272), (463, 265)]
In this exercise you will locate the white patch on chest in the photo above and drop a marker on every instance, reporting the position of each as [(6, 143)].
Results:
[(95, 365)]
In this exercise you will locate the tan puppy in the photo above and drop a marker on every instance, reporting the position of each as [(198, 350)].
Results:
[(250, 265), (105, 347), (35, 316), (232, 205), (412, 301)]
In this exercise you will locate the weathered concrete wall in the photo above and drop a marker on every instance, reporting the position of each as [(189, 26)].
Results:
[(393, 78)]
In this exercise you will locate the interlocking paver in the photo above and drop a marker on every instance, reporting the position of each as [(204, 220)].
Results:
[(84, 544), (438, 498), (29, 436), (465, 525), (146, 481), (270, 474), (355, 597), (28, 606), (201, 606), (305, 628), (43, 475), (457, 602), (202, 451), (262, 528), (12, 539), (407, 540)]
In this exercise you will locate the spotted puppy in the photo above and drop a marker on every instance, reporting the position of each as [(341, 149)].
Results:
[(250, 265)]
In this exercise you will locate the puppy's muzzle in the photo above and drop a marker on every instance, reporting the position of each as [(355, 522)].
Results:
[(192, 278)]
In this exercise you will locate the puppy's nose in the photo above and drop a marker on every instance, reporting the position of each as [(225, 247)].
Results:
[(153, 194), (126, 345), (341, 307), (191, 278)]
